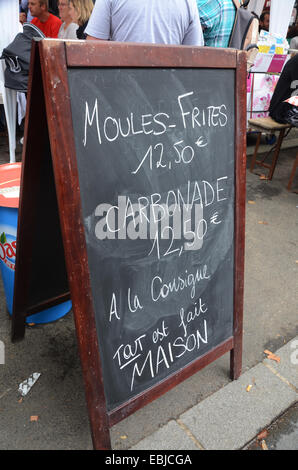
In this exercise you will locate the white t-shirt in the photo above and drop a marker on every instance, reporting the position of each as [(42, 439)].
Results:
[(151, 21), (68, 33)]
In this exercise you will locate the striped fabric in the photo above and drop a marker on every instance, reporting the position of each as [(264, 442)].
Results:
[(217, 19)]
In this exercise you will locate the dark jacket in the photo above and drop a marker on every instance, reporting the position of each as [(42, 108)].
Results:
[(287, 86)]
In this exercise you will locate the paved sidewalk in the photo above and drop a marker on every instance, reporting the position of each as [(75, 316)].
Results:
[(234, 415)]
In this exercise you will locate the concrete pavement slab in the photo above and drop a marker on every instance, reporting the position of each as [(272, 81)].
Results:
[(233, 416), (287, 368), (169, 437), (282, 434)]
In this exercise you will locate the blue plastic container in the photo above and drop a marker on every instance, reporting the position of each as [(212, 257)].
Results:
[(9, 202)]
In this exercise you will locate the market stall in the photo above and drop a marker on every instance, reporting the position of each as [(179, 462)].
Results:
[(272, 56)]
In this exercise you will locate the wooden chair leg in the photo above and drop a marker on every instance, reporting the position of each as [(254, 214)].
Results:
[(293, 173), (253, 161), (276, 153)]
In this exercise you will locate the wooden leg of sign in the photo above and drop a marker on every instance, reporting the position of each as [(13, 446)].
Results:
[(34, 135), (236, 352), (18, 327), (240, 170), (236, 360)]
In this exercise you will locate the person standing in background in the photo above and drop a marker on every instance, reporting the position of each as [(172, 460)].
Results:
[(68, 29), (24, 10), (80, 11), (264, 21), (53, 8), (217, 20), (151, 21), (49, 24), (287, 86)]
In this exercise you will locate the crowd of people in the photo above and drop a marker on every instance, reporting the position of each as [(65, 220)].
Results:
[(188, 22), (191, 22), (185, 22), (194, 22), (62, 19)]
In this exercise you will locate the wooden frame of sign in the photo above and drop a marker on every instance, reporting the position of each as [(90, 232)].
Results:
[(53, 258)]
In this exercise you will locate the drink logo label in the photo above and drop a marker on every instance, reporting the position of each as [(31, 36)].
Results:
[(7, 251)]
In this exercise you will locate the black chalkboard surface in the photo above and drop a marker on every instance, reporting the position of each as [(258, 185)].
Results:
[(156, 150), (143, 166)]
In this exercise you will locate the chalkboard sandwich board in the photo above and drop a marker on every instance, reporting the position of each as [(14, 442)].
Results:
[(134, 175)]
